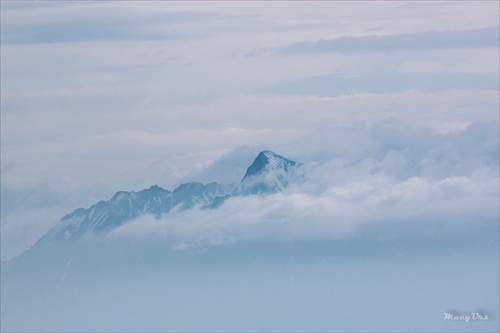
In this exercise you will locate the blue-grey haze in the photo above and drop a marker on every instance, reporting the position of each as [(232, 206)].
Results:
[(414, 42), (390, 221)]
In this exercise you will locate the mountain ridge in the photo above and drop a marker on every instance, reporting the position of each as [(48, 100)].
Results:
[(268, 174)]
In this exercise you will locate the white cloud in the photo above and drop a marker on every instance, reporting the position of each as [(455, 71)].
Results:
[(423, 184), (417, 205)]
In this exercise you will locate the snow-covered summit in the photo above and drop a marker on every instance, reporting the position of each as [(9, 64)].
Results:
[(269, 173), (267, 161)]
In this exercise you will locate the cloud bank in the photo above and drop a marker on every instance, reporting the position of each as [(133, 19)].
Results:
[(385, 181), (422, 41)]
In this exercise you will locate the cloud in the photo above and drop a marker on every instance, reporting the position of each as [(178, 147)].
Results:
[(416, 208), (228, 168), (384, 181), (338, 85), (400, 150), (421, 41), (100, 22)]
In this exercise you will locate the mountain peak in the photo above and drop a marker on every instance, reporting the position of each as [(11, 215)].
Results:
[(268, 160), (268, 174)]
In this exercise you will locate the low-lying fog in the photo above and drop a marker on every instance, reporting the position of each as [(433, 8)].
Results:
[(344, 285)]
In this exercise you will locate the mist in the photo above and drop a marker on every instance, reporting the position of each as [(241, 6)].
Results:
[(390, 218), (353, 286), (376, 232)]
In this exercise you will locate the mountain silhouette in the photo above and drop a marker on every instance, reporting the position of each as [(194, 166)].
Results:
[(269, 173)]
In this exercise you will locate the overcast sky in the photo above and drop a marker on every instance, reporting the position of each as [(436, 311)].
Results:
[(98, 97)]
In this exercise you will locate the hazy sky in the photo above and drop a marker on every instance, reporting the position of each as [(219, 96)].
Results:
[(402, 98)]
